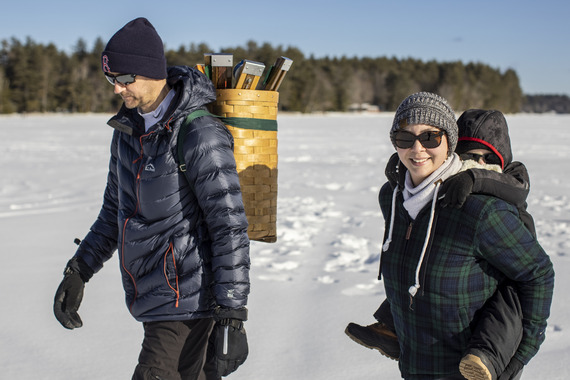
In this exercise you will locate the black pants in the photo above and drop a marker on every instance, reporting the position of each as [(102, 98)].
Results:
[(175, 350), (498, 329)]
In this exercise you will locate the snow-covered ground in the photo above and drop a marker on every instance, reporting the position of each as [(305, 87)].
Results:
[(320, 275)]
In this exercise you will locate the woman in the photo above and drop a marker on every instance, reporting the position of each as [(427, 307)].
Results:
[(487, 168), (485, 149), (441, 265)]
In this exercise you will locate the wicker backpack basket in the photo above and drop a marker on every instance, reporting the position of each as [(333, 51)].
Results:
[(251, 117)]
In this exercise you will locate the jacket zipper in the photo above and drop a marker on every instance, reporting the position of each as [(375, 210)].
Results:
[(428, 251), (177, 289), (426, 259), (137, 186), (409, 230), (403, 271)]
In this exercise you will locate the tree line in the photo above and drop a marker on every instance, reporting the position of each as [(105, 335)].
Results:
[(40, 78)]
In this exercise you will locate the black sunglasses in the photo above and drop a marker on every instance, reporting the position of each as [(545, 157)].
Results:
[(123, 79), (488, 158), (429, 139)]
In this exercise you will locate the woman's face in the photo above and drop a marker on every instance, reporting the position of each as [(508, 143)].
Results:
[(422, 162)]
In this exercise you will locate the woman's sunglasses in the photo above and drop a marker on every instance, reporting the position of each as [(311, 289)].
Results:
[(488, 158), (123, 79), (429, 139)]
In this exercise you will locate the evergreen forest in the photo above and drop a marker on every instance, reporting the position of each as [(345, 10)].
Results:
[(41, 78)]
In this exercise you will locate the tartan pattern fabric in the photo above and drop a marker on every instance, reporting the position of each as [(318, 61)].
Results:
[(471, 251)]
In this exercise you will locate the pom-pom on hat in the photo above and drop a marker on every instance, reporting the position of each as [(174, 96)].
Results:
[(430, 109), (135, 49)]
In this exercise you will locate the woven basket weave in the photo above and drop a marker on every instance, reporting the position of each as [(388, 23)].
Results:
[(255, 151)]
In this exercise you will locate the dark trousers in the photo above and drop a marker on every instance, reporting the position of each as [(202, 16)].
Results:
[(499, 329), (384, 315), (175, 350), (497, 332)]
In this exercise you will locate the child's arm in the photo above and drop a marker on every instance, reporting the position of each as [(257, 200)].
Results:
[(515, 190), (513, 185)]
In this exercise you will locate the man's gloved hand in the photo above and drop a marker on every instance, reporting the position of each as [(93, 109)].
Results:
[(228, 346), (456, 189), (70, 293), (514, 368), (222, 313)]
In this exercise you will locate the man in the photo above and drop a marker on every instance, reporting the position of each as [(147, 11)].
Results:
[(181, 237)]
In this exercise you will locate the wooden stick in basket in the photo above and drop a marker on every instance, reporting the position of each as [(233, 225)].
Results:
[(277, 73), (201, 68), (248, 74), (221, 69)]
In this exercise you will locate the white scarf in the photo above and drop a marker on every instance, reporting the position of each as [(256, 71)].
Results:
[(415, 198)]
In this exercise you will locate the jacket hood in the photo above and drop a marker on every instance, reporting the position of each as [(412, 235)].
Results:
[(485, 129), (194, 90)]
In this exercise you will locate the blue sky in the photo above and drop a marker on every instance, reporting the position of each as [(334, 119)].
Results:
[(531, 37)]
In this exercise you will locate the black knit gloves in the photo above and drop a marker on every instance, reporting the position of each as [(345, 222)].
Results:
[(228, 346), (70, 293), (456, 189)]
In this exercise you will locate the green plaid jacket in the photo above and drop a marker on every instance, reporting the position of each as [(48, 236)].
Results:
[(471, 251)]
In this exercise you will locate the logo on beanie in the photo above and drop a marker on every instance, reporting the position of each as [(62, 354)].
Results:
[(106, 67)]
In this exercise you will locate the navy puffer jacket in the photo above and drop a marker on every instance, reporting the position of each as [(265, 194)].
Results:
[(183, 246)]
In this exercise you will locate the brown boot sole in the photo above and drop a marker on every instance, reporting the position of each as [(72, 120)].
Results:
[(368, 346), (472, 368)]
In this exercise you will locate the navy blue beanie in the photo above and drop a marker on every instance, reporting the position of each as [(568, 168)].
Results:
[(135, 49)]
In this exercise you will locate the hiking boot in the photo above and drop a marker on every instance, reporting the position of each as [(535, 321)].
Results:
[(377, 337), (477, 367)]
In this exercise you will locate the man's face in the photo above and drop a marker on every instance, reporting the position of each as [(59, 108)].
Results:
[(142, 93)]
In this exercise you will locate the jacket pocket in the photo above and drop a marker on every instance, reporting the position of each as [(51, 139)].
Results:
[(455, 327), (171, 272)]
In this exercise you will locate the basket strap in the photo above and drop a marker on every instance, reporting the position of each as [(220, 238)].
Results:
[(237, 122), (194, 115), (184, 131), (250, 123)]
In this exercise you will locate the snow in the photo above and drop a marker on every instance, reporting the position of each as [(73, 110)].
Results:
[(319, 276)]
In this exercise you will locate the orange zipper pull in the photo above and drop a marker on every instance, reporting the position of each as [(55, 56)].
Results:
[(409, 231)]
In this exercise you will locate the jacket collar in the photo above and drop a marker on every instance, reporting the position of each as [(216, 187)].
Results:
[(193, 90)]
